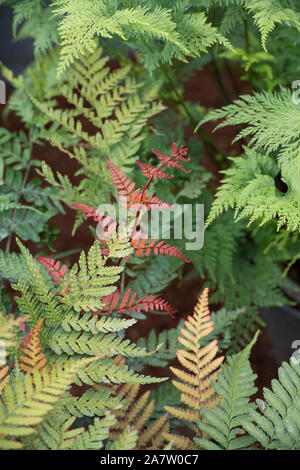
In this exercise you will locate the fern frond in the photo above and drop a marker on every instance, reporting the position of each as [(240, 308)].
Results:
[(139, 243), (127, 301), (9, 326), (126, 189), (136, 414), (223, 423), (201, 363), (26, 400), (33, 357), (107, 370), (53, 267), (276, 422), (150, 171)]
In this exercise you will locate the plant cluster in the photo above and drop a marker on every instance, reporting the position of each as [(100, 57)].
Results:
[(107, 90)]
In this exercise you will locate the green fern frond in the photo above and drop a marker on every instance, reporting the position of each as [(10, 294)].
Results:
[(223, 423), (276, 422)]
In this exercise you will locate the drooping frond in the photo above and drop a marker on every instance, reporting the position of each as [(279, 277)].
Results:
[(272, 122), (268, 13), (32, 357), (160, 34), (200, 364), (276, 422), (249, 188), (223, 424)]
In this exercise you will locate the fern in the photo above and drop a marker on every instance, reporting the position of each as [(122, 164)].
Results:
[(276, 422), (174, 28), (223, 424), (116, 106), (26, 207), (136, 414), (272, 122), (33, 358), (27, 401), (56, 433), (201, 365)]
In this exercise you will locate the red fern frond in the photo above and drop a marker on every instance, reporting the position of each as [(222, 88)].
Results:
[(180, 153), (127, 301), (149, 170), (172, 161), (54, 268), (108, 224), (33, 358), (139, 244), (126, 189)]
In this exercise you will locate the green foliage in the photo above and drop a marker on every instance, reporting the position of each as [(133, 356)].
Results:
[(276, 422), (112, 80), (272, 121), (27, 400), (26, 207), (179, 32), (223, 424)]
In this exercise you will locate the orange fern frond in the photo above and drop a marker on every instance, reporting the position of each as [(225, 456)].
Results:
[(139, 243), (127, 301), (4, 377), (200, 364), (180, 442), (149, 170), (33, 357)]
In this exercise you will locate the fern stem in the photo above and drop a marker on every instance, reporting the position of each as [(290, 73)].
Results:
[(220, 79)]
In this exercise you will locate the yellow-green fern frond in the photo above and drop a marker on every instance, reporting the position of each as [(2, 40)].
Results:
[(27, 399)]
